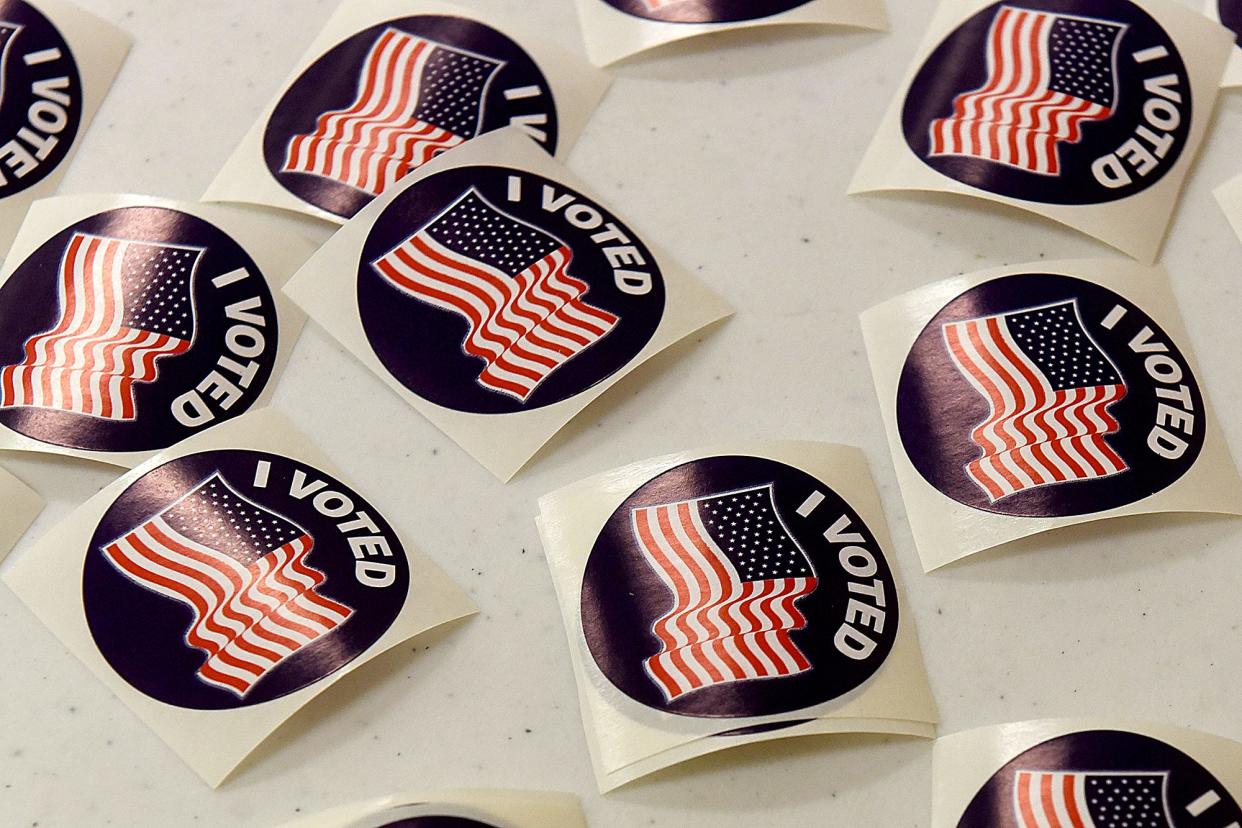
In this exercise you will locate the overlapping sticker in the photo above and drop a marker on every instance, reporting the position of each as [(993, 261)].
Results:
[(390, 84), (454, 809), (222, 585), (1229, 13), (1032, 397), (1086, 774), (129, 323), (498, 297), (729, 596), (20, 506), (614, 29), (56, 64), (1088, 112)]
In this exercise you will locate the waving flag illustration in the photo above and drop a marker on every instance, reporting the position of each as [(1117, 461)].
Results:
[(124, 305), (242, 571), (1047, 75), (8, 33), (416, 98), (1049, 386), (1047, 799), (510, 281), (736, 575)]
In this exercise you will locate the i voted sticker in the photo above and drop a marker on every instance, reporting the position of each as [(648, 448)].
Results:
[(494, 290), (1105, 779), (704, 11), (1053, 101), (737, 586), (40, 97), (393, 96), (232, 577), (132, 329), (1046, 395)]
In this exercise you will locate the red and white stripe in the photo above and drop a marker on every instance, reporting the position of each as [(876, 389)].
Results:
[(1034, 435), (89, 361), (720, 629), (378, 139), (248, 619), (523, 327), (1015, 118), (1044, 799)]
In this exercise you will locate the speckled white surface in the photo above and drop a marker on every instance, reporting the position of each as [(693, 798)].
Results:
[(1139, 617)]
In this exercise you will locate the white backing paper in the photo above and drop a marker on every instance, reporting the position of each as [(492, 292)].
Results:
[(20, 506), (1233, 72)]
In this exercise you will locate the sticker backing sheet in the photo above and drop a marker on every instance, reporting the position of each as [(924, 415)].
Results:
[(22, 505), (334, 138), (1229, 196), (484, 808), (496, 296), (1031, 397), (1091, 117), (735, 595), (222, 585), (128, 323), (615, 29), (1229, 13), (56, 65), (1086, 772)]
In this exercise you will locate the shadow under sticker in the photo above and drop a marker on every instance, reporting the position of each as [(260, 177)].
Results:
[(1102, 779), (737, 586), (1044, 395), (393, 96)]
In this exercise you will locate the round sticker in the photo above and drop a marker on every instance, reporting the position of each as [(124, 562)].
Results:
[(424, 816), (131, 330), (1052, 101), (495, 290), (392, 97), (1044, 395), (1102, 778), (40, 97), (705, 11), (1231, 14), (230, 578), (737, 586)]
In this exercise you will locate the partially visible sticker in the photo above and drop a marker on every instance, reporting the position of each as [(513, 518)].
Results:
[(56, 64), (21, 505), (730, 596), (614, 29), (1053, 105), (129, 324), (454, 809), (1229, 13), (1042, 392), (389, 86), (225, 584), (1086, 773), (497, 297)]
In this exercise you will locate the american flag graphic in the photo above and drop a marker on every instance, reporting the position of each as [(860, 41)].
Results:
[(1047, 75), (736, 575), (8, 33), (510, 281), (242, 571), (1049, 387), (1054, 799), (416, 98), (124, 305)]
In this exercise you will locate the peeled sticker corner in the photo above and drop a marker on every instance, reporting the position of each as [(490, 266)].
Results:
[(1086, 772), (1229, 14), (1027, 398), (454, 809), (616, 29), (226, 583), (22, 505), (390, 84), (56, 64), (129, 323), (728, 596), (1086, 112), (498, 297)]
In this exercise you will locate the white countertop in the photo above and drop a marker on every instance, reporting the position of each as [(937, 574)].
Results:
[(1136, 618)]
